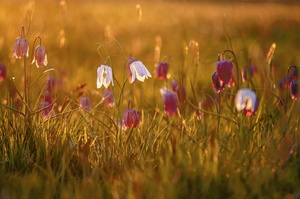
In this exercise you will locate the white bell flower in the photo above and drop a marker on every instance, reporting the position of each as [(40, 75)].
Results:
[(104, 76), (245, 99), (138, 71)]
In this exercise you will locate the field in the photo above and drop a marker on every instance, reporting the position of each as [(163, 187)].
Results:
[(207, 149)]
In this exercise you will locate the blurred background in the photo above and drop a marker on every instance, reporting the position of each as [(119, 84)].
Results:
[(79, 36)]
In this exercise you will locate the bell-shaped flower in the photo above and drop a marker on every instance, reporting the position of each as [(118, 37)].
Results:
[(291, 76), (170, 101), (108, 98), (2, 72), (51, 84), (46, 103), (131, 118), (137, 70), (162, 70), (249, 112), (180, 91), (217, 85), (245, 99), (21, 48), (85, 103), (224, 70), (40, 57), (248, 72), (104, 76), (294, 89)]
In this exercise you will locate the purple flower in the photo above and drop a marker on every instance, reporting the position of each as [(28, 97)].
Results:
[(108, 98), (2, 72), (170, 101), (21, 48), (46, 103), (131, 118), (224, 70), (162, 70), (40, 57), (85, 103), (248, 72), (294, 89), (292, 75), (217, 85), (179, 90)]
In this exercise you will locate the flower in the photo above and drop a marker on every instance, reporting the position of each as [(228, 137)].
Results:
[(170, 101), (248, 72), (224, 70), (292, 75), (137, 70), (2, 72), (85, 103), (294, 89), (21, 48), (217, 85), (180, 91), (131, 118), (108, 98), (162, 70), (51, 83), (104, 76), (249, 112), (46, 104), (40, 57), (245, 99)]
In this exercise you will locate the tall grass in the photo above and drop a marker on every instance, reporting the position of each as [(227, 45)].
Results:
[(79, 154)]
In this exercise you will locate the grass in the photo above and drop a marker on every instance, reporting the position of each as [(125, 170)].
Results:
[(77, 154)]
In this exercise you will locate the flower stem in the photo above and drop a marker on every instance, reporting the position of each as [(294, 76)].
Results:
[(238, 80)]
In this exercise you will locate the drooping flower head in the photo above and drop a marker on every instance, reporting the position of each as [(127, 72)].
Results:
[(2, 72), (137, 70), (179, 90), (108, 98), (162, 70), (249, 112), (170, 101), (104, 76), (46, 103), (294, 89), (248, 72), (85, 103), (224, 70), (217, 85), (21, 48), (51, 83), (245, 99), (40, 57), (131, 118), (292, 75)]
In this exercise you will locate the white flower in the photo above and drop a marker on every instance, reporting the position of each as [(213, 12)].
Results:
[(245, 99), (104, 76), (138, 70)]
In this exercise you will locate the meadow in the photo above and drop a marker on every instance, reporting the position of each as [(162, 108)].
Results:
[(207, 149)]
